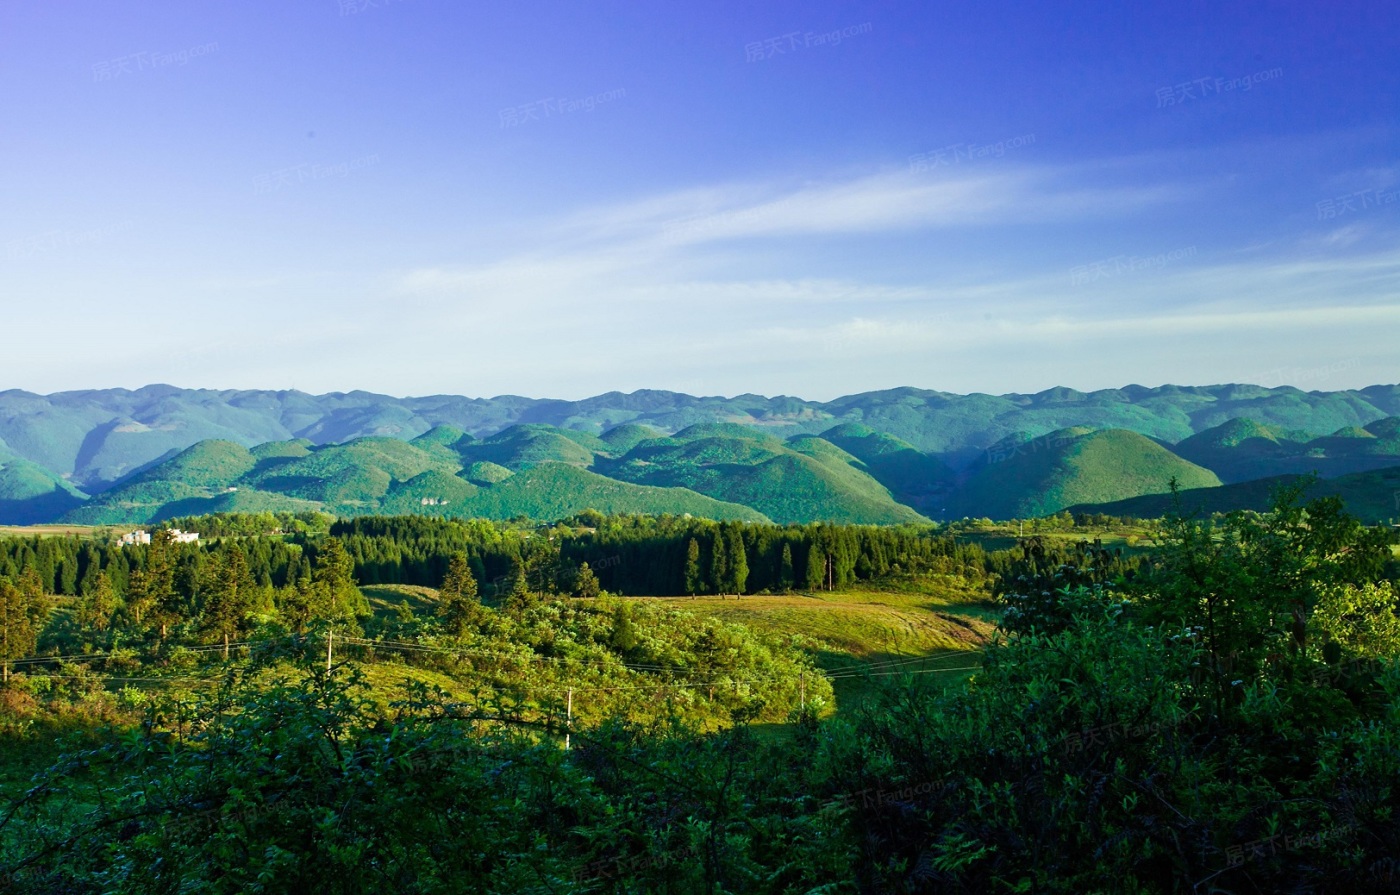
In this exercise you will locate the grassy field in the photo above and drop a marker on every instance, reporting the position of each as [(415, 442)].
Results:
[(45, 531), (1005, 535), (858, 627), (387, 598), (866, 637), (863, 636)]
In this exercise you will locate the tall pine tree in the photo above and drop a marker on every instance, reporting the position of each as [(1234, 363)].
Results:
[(18, 632), (334, 593), (586, 583), (95, 611), (694, 578), (815, 579), (459, 608), (229, 596), (719, 565), (736, 562)]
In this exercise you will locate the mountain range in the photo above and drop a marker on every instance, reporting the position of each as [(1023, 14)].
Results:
[(903, 455)]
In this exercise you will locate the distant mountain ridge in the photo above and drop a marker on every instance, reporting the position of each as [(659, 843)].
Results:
[(95, 437), (900, 455)]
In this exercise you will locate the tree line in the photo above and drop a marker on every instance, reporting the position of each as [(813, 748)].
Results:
[(307, 573)]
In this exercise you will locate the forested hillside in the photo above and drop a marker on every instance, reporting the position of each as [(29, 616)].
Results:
[(98, 436)]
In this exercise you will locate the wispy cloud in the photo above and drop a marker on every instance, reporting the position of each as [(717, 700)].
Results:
[(870, 203)]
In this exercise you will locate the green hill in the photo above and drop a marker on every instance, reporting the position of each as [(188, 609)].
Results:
[(443, 442), (434, 492), (736, 464), (1372, 496), (621, 439), (447, 436), (558, 490), (913, 477), (208, 464), (244, 500), (1385, 428), (1241, 450), (527, 445), (484, 472), (1237, 449), (138, 502), (273, 450), (30, 494), (1046, 475), (355, 474), (380, 475), (198, 472)]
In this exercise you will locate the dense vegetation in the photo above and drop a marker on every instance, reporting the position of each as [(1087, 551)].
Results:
[(1371, 496), (1075, 466), (1223, 715)]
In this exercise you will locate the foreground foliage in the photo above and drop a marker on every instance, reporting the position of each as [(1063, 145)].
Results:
[(1228, 721)]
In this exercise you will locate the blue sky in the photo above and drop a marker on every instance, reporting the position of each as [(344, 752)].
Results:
[(820, 198)]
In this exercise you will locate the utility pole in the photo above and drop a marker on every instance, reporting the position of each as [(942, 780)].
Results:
[(802, 690), (568, 718), (330, 637)]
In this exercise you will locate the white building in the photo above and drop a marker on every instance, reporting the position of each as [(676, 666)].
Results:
[(144, 537)]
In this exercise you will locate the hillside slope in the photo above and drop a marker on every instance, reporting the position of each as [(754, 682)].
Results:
[(1243, 449), (809, 479), (1373, 497), (30, 494), (1043, 476), (369, 476)]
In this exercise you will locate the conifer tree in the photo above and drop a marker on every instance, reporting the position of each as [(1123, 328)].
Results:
[(719, 566), (460, 608), (736, 562), (295, 602), (334, 593), (520, 598), (694, 578), (586, 585), (230, 595), (155, 587), (96, 610), (816, 568), (18, 633)]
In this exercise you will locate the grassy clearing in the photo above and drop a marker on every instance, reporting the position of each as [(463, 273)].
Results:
[(867, 637), (1133, 539), (857, 626), (48, 531), (385, 599)]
